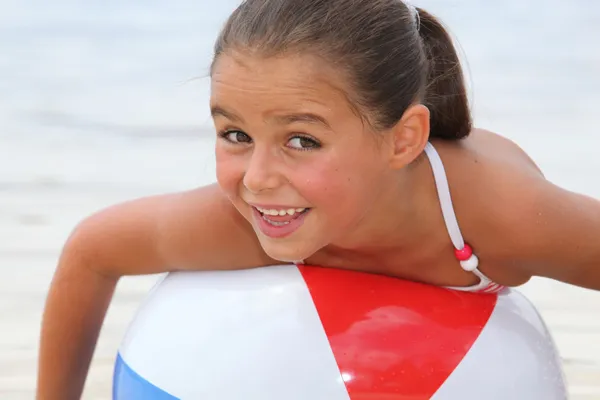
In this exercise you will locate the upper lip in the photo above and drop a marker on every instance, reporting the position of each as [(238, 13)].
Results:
[(273, 206)]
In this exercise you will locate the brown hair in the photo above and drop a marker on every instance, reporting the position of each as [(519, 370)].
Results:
[(392, 56)]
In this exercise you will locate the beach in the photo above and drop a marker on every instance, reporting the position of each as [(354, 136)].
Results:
[(105, 102)]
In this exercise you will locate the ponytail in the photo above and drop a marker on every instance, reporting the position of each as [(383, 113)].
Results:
[(445, 93)]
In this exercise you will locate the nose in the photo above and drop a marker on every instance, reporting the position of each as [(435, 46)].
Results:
[(263, 171)]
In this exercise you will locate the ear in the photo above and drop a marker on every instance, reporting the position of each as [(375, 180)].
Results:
[(410, 135)]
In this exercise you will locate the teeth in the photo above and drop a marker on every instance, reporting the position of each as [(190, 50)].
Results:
[(275, 223), (289, 211)]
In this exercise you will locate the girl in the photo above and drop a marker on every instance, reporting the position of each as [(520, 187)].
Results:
[(344, 140)]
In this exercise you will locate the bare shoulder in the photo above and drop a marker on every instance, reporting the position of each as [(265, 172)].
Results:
[(195, 229), (522, 223), (487, 149), (201, 229)]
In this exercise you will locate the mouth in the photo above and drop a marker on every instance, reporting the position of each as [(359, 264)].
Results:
[(280, 216), (279, 222)]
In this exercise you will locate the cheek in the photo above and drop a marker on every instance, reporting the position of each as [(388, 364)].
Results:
[(335, 185), (229, 170)]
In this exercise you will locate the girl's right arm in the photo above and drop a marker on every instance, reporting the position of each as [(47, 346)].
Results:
[(198, 230)]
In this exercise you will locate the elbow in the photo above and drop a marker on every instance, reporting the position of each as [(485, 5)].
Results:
[(84, 249)]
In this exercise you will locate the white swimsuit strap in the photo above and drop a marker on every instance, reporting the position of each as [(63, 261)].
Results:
[(484, 283), (441, 183)]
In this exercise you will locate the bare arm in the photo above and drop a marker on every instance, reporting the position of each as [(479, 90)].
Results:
[(559, 234), (524, 223), (533, 227), (199, 229)]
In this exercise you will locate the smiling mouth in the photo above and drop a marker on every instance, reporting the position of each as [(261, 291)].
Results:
[(281, 217)]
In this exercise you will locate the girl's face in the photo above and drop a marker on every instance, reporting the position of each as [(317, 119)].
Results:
[(292, 155)]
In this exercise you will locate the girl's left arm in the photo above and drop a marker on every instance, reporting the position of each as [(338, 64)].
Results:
[(554, 233)]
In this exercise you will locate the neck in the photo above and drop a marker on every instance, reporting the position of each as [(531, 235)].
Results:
[(401, 219)]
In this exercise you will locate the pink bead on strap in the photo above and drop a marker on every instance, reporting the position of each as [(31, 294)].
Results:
[(468, 260)]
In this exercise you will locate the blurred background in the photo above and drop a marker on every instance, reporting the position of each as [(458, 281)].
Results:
[(104, 101)]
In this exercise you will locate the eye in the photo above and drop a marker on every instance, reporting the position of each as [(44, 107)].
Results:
[(236, 137), (303, 143)]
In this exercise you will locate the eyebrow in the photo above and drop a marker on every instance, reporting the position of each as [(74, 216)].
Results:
[(286, 119), (216, 111)]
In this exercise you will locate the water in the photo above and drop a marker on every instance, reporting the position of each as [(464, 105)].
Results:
[(105, 101)]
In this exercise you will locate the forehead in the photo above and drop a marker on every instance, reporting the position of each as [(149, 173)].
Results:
[(299, 78)]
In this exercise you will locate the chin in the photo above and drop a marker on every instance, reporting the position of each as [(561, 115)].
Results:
[(287, 252)]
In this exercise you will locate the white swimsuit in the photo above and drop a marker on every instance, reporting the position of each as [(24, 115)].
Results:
[(485, 284)]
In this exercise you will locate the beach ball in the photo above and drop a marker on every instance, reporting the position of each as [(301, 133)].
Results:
[(310, 333)]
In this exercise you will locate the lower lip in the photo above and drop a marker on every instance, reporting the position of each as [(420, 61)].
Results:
[(278, 231)]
